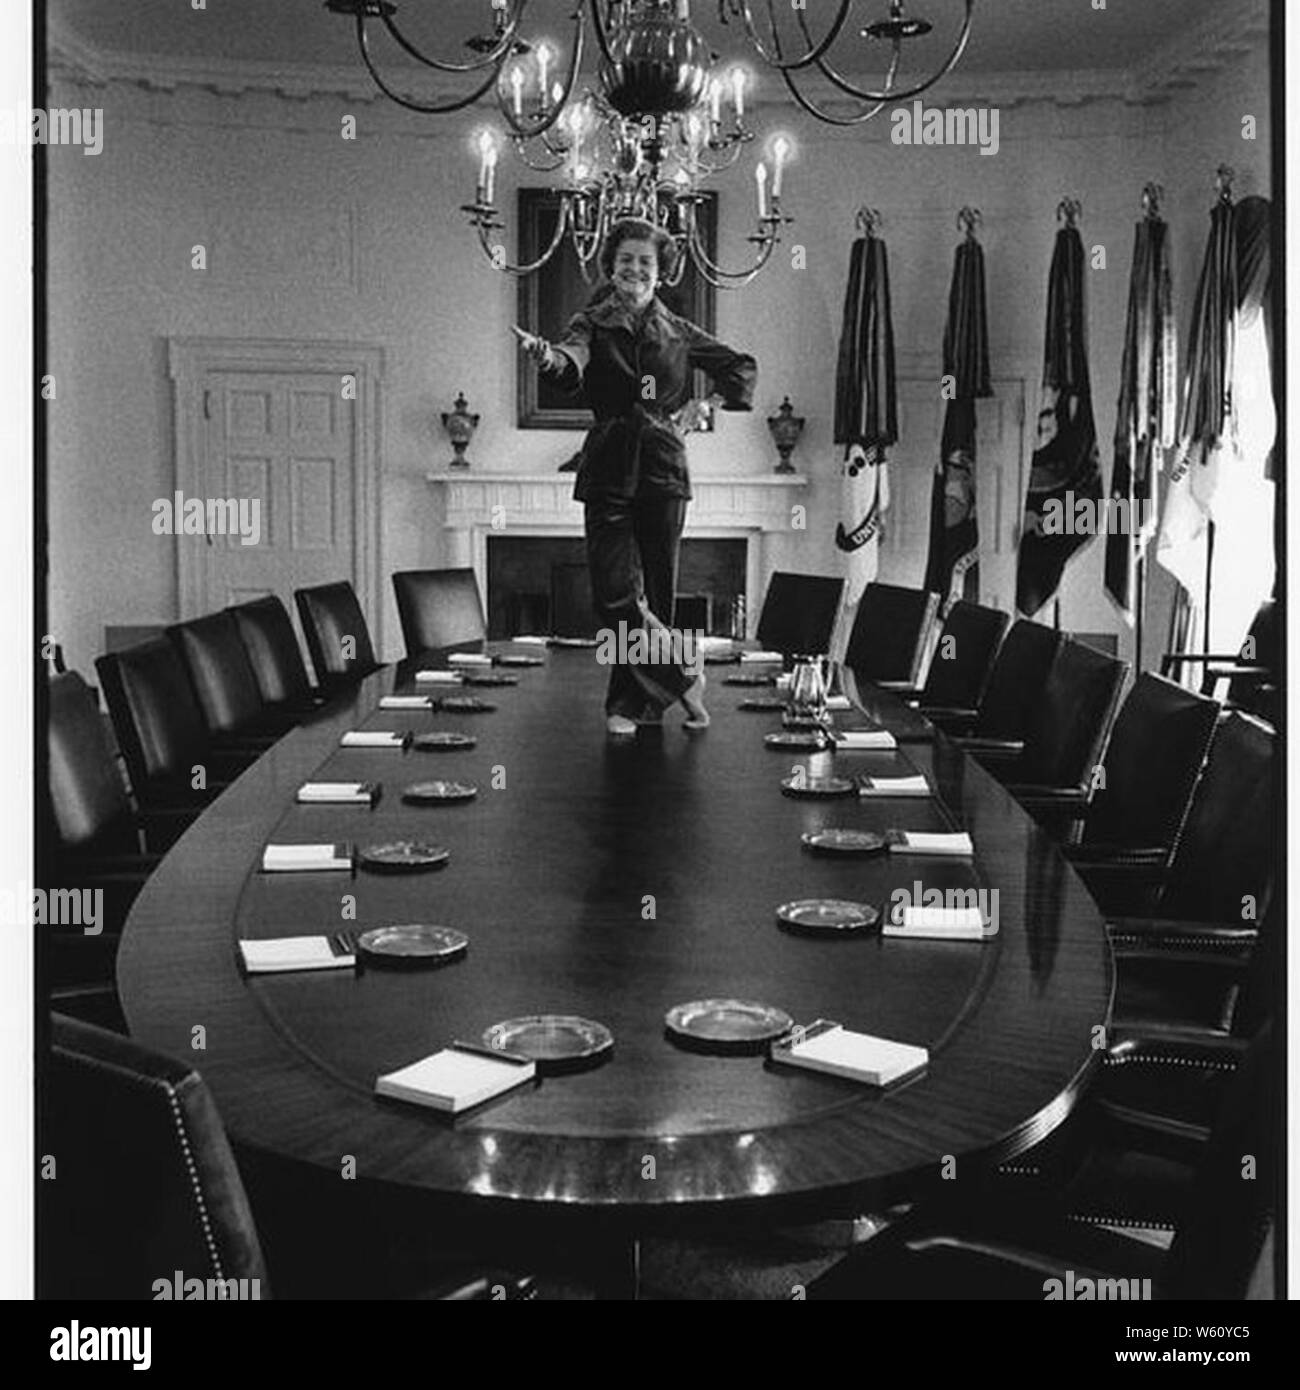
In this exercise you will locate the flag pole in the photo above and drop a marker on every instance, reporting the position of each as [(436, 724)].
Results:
[(1140, 583)]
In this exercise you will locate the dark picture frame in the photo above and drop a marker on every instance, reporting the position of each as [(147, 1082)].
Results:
[(550, 297)]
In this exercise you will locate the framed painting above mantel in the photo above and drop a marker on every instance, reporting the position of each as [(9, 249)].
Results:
[(550, 297)]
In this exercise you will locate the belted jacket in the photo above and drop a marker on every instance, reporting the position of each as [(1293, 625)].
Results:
[(634, 371)]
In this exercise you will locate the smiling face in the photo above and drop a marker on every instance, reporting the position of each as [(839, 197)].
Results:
[(636, 271)]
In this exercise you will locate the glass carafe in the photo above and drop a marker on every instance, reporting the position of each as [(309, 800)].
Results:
[(808, 690)]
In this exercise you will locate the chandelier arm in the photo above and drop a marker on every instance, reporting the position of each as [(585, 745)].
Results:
[(561, 226), (705, 264), (598, 27), (825, 116), (575, 61), (742, 278), (815, 51), (522, 152), (890, 93), (423, 108), (492, 59)]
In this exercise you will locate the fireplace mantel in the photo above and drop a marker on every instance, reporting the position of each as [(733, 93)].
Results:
[(476, 506), (759, 503)]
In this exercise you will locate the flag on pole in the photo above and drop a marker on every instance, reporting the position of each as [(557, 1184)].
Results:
[(952, 569), (1066, 468), (1221, 471), (866, 411), (1147, 415)]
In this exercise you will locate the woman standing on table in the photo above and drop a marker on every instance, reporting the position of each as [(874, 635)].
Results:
[(632, 358)]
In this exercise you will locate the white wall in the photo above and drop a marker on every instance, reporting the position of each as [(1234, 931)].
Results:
[(313, 236)]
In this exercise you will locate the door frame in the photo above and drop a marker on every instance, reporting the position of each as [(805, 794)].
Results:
[(190, 359)]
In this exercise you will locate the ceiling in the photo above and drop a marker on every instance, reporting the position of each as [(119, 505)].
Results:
[(1007, 36)]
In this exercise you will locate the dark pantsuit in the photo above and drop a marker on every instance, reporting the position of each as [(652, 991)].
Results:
[(632, 551)]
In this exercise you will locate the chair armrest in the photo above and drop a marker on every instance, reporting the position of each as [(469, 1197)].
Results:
[(1174, 1046), (1030, 794), (1086, 856), (951, 720), (1161, 934), (990, 747), (899, 687), (1171, 659), (1125, 890)]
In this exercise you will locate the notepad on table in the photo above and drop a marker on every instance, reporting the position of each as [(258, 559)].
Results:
[(940, 924), (893, 786), (298, 953), (303, 858), (338, 793), (930, 842), (838, 1051), (453, 1080), (405, 702), (437, 677), (372, 738), (469, 659), (767, 657), (865, 741)]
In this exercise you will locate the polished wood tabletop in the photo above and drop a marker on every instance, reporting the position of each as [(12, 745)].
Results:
[(614, 880)]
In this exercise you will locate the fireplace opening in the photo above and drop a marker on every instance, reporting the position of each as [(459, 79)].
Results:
[(539, 584)]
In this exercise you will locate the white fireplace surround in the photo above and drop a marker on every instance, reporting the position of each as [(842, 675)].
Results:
[(476, 506)]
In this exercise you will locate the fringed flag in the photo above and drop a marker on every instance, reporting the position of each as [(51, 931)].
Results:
[(1221, 469), (1147, 415), (866, 411), (952, 569), (1066, 467)]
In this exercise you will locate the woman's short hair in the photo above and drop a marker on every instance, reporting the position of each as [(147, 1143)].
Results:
[(635, 229)]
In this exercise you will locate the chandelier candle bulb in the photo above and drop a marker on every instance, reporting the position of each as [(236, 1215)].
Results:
[(738, 92), (517, 87), (760, 180), (780, 153), (715, 102), (543, 62)]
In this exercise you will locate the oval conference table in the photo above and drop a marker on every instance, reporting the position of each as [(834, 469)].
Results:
[(614, 880)]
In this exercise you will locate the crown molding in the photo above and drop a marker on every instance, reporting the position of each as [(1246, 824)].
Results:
[(1222, 37)]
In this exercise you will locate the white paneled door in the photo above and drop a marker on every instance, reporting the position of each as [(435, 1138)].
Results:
[(1000, 465), (286, 443), (285, 433)]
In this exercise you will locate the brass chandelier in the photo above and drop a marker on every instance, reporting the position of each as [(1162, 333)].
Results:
[(662, 120)]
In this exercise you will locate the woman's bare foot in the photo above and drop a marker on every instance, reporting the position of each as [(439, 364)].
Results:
[(619, 726), (697, 717)]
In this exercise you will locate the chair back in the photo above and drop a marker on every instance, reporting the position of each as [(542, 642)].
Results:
[(330, 616), (1257, 691), (218, 663), (87, 794), (1017, 680), (439, 609), (266, 631), (959, 674), (1068, 730), (1157, 749), (1216, 1249), (146, 1183), (160, 726), (798, 614), (890, 633), (1227, 849)]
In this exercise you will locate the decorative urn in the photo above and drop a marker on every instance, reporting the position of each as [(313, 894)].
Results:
[(786, 429), (460, 425)]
